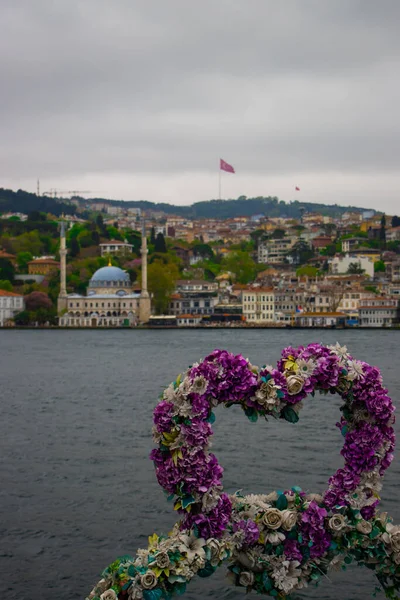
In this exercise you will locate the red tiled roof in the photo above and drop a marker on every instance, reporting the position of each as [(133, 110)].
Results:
[(5, 293)]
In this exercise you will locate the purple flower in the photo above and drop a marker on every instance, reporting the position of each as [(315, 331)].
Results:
[(292, 550), (250, 530), (229, 377), (379, 406), (213, 523), (197, 433), (163, 416), (368, 512), (313, 530)]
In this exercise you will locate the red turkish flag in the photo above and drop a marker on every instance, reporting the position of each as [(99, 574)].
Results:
[(225, 167), (297, 189)]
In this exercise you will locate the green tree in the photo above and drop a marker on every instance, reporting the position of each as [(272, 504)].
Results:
[(379, 266), (395, 221), (161, 283), (307, 270), (100, 222), (22, 260), (241, 265), (74, 247), (7, 270), (85, 239), (278, 234), (153, 236), (95, 238), (203, 250), (6, 285), (355, 269), (300, 253), (37, 300), (160, 245)]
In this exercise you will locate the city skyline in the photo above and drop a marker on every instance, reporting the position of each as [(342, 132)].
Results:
[(141, 101)]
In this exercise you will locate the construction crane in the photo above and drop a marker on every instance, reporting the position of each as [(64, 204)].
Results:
[(57, 193)]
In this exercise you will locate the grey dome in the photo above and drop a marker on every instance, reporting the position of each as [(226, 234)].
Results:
[(109, 274)]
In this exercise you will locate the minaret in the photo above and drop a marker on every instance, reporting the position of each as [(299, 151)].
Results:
[(144, 301), (62, 297)]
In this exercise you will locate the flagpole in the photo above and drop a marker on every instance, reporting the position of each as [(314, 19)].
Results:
[(219, 186)]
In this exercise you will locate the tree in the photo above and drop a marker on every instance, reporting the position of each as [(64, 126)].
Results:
[(161, 283), (100, 222), (153, 236), (278, 234), (241, 265), (203, 250), (22, 260), (300, 253), (35, 215), (355, 269), (85, 239), (379, 266), (160, 245), (396, 221), (37, 300), (6, 285), (307, 271), (95, 238), (74, 247), (7, 270), (382, 233)]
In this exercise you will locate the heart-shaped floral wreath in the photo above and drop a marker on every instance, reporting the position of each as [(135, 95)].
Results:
[(274, 543)]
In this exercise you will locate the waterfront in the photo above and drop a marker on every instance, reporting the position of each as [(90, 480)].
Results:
[(77, 486)]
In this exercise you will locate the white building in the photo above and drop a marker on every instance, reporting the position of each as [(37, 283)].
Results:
[(115, 247), (341, 264), (10, 305), (274, 251), (258, 304), (378, 311)]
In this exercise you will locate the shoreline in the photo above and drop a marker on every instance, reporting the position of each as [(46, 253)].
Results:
[(197, 327)]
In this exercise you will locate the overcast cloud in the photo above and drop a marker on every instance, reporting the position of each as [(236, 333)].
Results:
[(138, 99)]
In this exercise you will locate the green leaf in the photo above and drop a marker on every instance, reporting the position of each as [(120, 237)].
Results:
[(279, 550), (187, 500), (374, 533), (211, 418), (251, 414), (296, 489), (282, 502), (207, 571), (180, 588), (132, 571), (290, 415), (152, 594), (267, 583)]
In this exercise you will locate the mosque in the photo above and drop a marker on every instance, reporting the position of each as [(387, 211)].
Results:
[(110, 300)]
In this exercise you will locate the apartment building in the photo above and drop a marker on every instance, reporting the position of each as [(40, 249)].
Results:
[(258, 304), (274, 251), (378, 311)]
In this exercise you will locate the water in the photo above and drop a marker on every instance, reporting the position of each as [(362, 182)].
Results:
[(76, 486)]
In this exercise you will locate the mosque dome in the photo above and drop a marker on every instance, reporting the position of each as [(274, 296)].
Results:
[(112, 276)]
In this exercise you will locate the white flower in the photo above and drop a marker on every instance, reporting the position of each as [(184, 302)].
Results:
[(364, 527), (191, 546), (306, 367), (199, 385), (135, 593), (355, 370), (286, 576), (210, 500), (246, 578), (109, 595), (274, 537), (295, 384), (315, 498), (148, 580), (340, 351), (392, 537), (272, 518), (289, 519), (337, 522), (170, 393), (336, 562), (162, 560)]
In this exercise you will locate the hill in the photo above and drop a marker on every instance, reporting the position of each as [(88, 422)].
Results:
[(26, 202), (241, 207)]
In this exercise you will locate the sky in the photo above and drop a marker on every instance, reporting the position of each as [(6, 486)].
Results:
[(139, 99)]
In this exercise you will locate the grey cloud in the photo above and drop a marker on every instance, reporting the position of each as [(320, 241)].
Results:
[(156, 87)]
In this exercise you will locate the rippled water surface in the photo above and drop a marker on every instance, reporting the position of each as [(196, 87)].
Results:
[(76, 486)]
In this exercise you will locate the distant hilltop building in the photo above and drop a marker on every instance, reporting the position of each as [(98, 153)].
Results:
[(115, 247), (110, 300)]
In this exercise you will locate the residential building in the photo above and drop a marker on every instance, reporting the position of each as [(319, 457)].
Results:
[(316, 319), (349, 244), (10, 305), (274, 251), (378, 311), (258, 304), (188, 320), (42, 266), (11, 257), (341, 264), (115, 247), (194, 297)]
